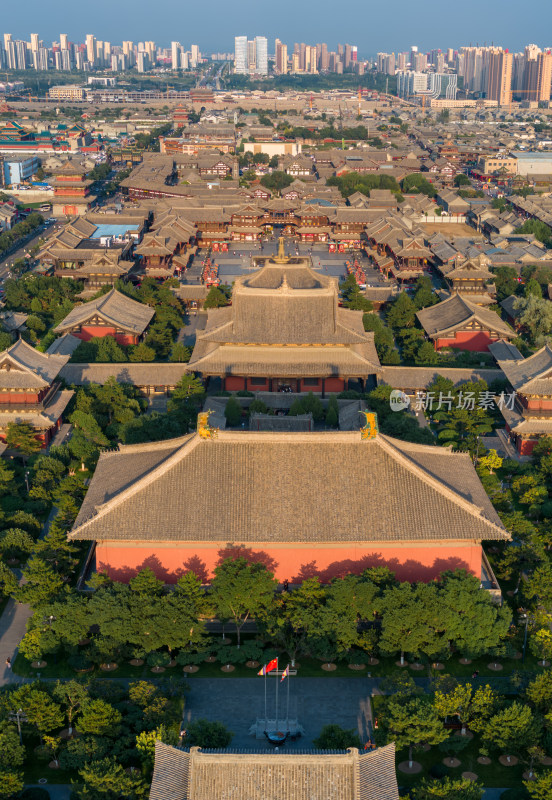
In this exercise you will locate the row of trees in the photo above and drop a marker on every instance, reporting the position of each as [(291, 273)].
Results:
[(19, 231), (351, 616)]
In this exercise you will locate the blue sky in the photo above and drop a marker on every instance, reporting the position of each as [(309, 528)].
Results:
[(371, 24)]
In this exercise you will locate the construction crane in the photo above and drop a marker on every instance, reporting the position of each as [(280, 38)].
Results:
[(167, 92)]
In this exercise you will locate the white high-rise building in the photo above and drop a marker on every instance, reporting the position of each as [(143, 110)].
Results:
[(184, 59), (90, 48), (194, 58), (65, 60), (261, 55), (176, 49), (240, 55), (34, 42), (63, 41)]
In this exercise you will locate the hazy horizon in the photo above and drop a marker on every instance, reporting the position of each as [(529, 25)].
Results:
[(370, 25)]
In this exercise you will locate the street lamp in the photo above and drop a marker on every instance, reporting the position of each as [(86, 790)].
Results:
[(526, 618), (19, 716), (27, 480)]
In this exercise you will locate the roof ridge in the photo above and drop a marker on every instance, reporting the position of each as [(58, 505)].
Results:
[(388, 444)]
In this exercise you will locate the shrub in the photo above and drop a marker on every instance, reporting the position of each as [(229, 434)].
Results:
[(332, 737), (159, 659), (202, 733)]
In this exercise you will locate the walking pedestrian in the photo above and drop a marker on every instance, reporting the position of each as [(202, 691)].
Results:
[(8, 662)]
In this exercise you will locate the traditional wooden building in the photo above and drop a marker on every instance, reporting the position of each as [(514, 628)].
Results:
[(327, 504), (528, 411), (112, 314), (457, 322), (306, 775), (474, 281), (285, 331), (29, 392), (71, 190)]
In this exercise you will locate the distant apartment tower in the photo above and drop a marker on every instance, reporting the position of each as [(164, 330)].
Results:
[(195, 56), (261, 55), (90, 49), (240, 55), (63, 41), (281, 62), (176, 49), (537, 75), (499, 76)]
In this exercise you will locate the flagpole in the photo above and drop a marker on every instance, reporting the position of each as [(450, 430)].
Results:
[(277, 682), (265, 720), (287, 704)]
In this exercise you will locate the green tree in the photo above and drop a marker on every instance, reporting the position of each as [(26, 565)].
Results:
[(110, 351), (99, 718), (472, 707), (295, 617), (506, 282), (215, 298), (332, 412), (448, 789), (145, 743), (332, 737), (72, 695), (425, 354), (41, 584), (180, 353), (540, 230), (211, 735), (424, 295), (411, 623), (402, 313), (512, 729), (412, 722), (189, 387), (142, 353), (15, 543), (462, 180), (276, 181), (417, 184), (12, 753), (348, 601), (534, 314), (146, 583), (539, 691), (541, 787), (233, 412), (40, 709), (108, 780), (491, 461), (242, 590), (11, 783), (533, 287), (22, 437)]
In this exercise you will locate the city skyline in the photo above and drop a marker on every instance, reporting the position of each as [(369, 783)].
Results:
[(385, 29)]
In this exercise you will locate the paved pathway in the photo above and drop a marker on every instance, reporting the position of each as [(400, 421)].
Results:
[(12, 629), (318, 701)]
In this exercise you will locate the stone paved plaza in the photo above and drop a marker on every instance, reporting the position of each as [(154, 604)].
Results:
[(319, 701)]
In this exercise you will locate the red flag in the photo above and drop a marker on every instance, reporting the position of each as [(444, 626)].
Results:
[(268, 667)]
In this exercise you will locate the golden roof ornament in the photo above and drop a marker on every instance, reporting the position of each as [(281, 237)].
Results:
[(370, 430), (204, 430)]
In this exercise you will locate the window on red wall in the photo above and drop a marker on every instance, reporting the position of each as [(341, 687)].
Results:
[(311, 381), (257, 381)]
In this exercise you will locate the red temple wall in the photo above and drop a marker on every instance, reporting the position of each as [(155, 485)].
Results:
[(89, 331), (20, 398), (121, 560), (538, 405), (476, 341)]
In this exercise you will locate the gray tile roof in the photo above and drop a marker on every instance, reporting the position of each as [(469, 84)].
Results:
[(286, 487), (114, 308), (455, 313), (531, 375), (23, 367), (314, 775), (138, 374)]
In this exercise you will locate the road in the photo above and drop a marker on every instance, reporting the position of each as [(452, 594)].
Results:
[(45, 232)]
